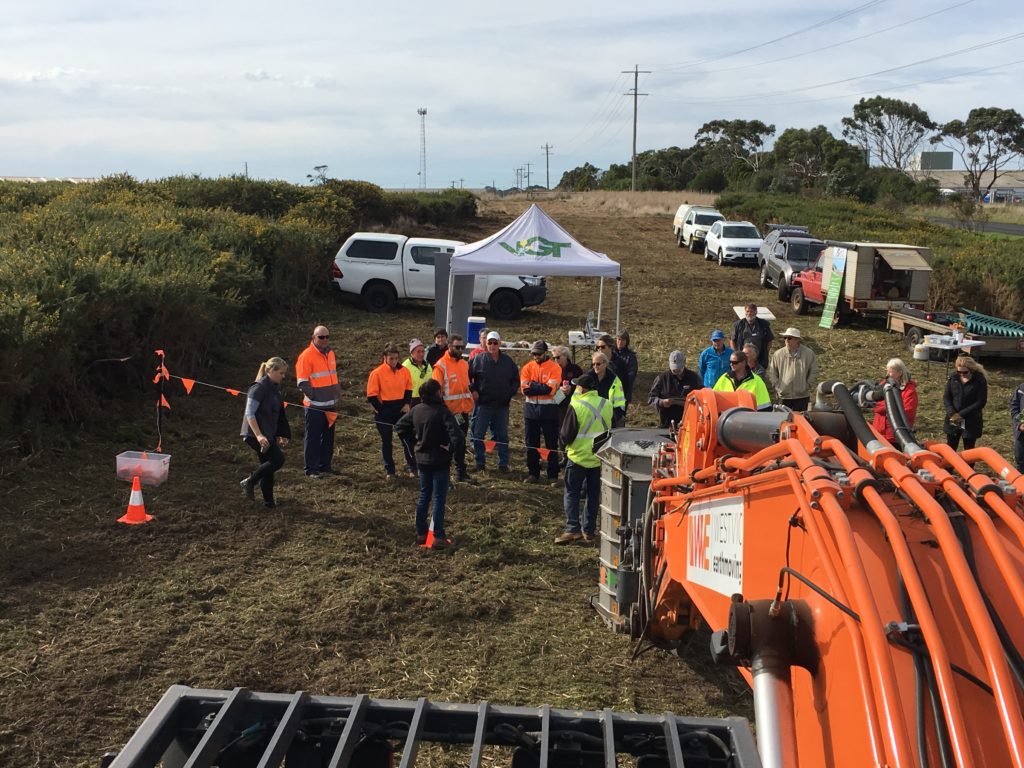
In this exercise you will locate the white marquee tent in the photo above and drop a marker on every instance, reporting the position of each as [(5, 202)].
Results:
[(534, 244)]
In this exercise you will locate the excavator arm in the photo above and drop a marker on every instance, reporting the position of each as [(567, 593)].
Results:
[(871, 594)]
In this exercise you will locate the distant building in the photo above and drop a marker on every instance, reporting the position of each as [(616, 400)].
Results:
[(1008, 188), (932, 161)]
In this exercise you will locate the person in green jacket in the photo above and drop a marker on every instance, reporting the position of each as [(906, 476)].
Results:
[(420, 371), (739, 376), (585, 428)]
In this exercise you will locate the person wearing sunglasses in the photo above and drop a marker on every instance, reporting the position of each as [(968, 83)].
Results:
[(739, 376), (452, 373), (609, 387), (316, 372), (541, 383), (570, 371), (964, 398), (494, 381)]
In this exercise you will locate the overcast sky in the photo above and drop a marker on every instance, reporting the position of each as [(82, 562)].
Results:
[(162, 88)]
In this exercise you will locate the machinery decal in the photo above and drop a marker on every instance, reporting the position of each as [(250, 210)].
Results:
[(715, 552)]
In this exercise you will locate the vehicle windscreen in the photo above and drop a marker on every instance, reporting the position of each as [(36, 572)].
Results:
[(745, 233), (803, 255), (707, 219)]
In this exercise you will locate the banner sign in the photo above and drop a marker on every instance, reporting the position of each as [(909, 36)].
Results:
[(835, 286), (714, 546)]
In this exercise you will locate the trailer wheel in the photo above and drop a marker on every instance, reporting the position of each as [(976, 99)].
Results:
[(797, 301), (913, 337)]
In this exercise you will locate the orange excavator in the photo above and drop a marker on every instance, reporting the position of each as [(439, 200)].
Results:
[(872, 594)]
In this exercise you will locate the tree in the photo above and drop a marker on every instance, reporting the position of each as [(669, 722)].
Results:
[(811, 154), (740, 139), (890, 129), (581, 178), (987, 142)]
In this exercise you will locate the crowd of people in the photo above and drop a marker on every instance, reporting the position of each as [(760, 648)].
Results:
[(444, 407)]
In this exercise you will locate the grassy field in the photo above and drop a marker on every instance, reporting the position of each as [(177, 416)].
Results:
[(327, 593), (1005, 213)]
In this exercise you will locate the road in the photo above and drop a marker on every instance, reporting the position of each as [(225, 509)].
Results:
[(992, 226)]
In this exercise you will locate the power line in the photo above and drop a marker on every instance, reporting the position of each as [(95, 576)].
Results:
[(547, 165)]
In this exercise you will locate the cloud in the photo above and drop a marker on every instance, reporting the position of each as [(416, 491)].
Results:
[(259, 76), (54, 74)]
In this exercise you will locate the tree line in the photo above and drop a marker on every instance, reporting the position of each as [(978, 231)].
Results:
[(734, 155)]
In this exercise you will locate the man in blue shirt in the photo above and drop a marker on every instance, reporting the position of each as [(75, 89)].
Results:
[(714, 361)]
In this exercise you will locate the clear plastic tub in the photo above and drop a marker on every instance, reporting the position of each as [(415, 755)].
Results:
[(151, 468)]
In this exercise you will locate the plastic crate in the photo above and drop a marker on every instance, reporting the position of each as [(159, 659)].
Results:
[(151, 468)]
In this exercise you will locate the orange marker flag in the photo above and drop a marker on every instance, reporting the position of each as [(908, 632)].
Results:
[(163, 403), (156, 379), (544, 452), (234, 392), (489, 445), (159, 352), (331, 418), (285, 404), (188, 384), (164, 373)]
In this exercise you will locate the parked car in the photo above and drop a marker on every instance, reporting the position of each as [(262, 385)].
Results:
[(732, 242), (680, 218), (383, 268), (783, 255), (696, 225)]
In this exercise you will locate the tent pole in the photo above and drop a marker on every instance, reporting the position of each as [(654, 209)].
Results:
[(600, 296), (448, 314), (618, 303)]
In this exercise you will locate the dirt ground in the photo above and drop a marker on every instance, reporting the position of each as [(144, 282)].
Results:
[(327, 593)]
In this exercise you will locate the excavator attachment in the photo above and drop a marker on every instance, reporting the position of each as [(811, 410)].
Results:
[(872, 594)]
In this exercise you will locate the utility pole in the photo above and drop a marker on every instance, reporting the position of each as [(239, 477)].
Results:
[(246, 163), (422, 112), (636, 71), (528, 175), (547, 165)]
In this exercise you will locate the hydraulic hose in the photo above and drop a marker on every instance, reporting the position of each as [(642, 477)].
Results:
[(853, 414), (898, 417)]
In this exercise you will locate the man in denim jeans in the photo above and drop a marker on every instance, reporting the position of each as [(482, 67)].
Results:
[(494, 381)]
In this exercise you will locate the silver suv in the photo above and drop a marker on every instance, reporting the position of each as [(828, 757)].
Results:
[(786, 251)]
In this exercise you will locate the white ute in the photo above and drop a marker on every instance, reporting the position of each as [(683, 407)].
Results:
[(383, 268)]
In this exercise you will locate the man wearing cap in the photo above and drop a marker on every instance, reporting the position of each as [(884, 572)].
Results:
[(419, 369), (389, 392), (452, 373), (437, 350), (756, 330), (494, 381), (540, 380), (671, 387), (793, 371), (739, 377), (714, 361), (316, 373), (585, 427), (625, 364)]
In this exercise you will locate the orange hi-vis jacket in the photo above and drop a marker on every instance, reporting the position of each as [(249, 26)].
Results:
[(453, 376), (548, 373), (317, 375), (389, 385)]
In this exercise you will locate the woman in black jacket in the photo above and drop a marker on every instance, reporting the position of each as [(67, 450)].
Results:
[(265, 428), (436, 437), (965, 397)]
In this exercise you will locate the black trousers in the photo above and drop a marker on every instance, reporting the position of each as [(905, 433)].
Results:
[(534, 429), (954, 440), (798, 404), (385, 421), (271, 460)]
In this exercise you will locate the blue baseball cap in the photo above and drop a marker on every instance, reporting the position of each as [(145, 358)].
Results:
[(716, 335)]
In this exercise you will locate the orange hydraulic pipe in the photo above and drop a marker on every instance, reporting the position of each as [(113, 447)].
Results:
[(998, 464), (991, 648), (810, 520), (977, 482), (871, 623), (919, 599)]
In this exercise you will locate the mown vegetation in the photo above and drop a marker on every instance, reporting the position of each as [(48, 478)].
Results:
[(93, 277)]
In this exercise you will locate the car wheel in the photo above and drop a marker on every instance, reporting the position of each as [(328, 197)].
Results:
[(379, 298), (797, 302), (765, 283), (721, 258), (783, 289), (505, 304), (691, 247), (679, 238)]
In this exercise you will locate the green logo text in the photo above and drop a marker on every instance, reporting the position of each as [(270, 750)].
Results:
[(536, 246)]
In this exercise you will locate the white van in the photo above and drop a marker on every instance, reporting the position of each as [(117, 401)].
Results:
[(680, 218)]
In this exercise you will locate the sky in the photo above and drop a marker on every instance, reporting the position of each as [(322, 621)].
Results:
[(222, 87)]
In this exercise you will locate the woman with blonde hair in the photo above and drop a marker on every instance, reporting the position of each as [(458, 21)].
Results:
[(964, 398), (265, 428), (896, 373)]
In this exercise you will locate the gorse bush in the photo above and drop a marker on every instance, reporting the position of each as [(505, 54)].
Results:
[(91, 274), (970, 270)]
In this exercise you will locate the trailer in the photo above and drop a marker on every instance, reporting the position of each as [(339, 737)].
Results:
[(1002, 338)]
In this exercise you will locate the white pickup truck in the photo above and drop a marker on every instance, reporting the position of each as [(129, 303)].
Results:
[(383, 268)]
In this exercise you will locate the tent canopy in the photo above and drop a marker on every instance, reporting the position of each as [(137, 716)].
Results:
[(533, 244)]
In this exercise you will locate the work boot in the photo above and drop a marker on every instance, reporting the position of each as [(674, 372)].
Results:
[(568, 537), (440, 542), (421, 539), (532, 479), (588, 538), (504, 468), (462, 476), (557, 482), (249, 488)]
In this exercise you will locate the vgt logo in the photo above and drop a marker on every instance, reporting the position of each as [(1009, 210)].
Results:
[(536, 246)]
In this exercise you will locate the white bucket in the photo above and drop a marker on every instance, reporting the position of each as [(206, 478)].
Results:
[(921, 352)]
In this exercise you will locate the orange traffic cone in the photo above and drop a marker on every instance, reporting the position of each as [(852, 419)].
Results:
[(136, 513)]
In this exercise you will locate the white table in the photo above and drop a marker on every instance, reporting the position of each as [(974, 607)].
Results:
[(952, 346)]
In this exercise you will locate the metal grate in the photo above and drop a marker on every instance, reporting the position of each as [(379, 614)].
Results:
[(977, 323), (192, 727)]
